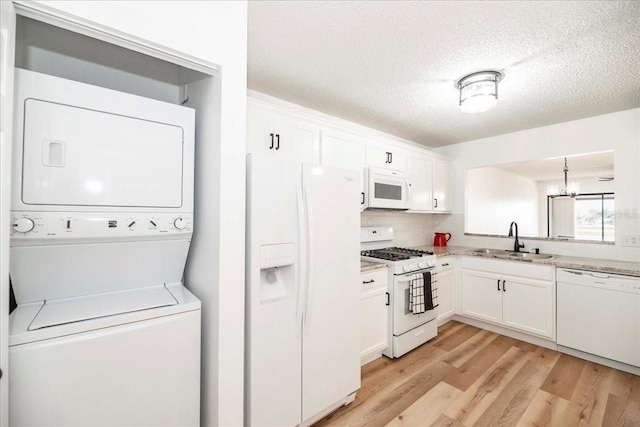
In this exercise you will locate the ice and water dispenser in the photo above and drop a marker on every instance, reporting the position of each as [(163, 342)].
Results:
[(277, 272)]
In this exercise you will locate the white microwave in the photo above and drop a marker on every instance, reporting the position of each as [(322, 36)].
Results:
[(386, 189)]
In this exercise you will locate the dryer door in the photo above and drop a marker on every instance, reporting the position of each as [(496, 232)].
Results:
[(80, 157)]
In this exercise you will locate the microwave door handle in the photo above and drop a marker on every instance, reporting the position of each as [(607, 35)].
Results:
[(408, 193)]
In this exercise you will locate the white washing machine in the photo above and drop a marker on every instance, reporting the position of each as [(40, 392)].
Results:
[(104, 332)]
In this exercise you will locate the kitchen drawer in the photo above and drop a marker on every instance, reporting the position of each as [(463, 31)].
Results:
[(414, 338), (374, 279), (513, 268)]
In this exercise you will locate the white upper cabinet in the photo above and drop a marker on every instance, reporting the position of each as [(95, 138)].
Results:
[(419, 175), (300, 135), (271, 132), (343, 150), (442, 197), (386, 156), (430, 183)]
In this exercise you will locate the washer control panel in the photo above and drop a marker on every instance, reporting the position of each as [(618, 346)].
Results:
[(29, 227)]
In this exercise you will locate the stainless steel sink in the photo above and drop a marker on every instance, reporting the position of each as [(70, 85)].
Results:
[(527, 255), (503, 253), (491, 251)]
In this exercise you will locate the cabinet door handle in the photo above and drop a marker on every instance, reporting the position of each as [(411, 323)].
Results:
[(504, 286), (388, 157), (277, 141), (388, 301), (271, 146), (364, 282), (362, 203), (498, 284), (445, 264), (435, 201)]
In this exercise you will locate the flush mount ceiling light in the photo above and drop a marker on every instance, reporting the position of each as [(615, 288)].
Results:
[(570, 189), (479, 91)]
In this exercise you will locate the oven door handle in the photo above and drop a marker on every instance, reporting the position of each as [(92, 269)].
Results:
[(422, 270)]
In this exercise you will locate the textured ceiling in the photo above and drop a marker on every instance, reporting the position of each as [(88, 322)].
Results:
[(392, 65)]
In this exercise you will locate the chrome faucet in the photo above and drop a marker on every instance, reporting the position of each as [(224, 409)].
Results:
[(516, 245)]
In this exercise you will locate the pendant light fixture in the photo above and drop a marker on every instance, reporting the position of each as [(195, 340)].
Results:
[(570, 189), (479, 91)]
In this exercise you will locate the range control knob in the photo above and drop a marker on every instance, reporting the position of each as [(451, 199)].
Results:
[(422, 264), (406, 268), (180, 223), (23, 225)]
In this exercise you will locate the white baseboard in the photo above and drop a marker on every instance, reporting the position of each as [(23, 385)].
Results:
[(548, 344), (507, 332)]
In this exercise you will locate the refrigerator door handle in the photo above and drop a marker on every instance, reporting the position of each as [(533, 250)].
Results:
[(308, 207), (302, 264)]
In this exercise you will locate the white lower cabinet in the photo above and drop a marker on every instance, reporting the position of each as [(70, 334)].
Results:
[(446, 288), (481, 297), (373, 315), (512, 294)]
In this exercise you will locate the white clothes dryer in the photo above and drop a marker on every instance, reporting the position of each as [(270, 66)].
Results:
[(105, 332)]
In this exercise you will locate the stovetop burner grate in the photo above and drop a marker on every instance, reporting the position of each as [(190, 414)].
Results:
[(395, 253)]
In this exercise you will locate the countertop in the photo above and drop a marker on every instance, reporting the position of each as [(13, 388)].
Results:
[(629, 268), (368, 266)]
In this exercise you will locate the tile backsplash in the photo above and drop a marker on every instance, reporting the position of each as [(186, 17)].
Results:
[(411, 229)]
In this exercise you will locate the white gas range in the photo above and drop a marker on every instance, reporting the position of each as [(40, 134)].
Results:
[(413, 291)]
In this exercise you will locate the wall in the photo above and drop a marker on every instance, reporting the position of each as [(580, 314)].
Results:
[(215, 32), (51, 50), (496, 198), (617, 131)]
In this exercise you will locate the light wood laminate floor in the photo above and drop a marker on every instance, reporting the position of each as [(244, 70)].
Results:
[(471, 377)]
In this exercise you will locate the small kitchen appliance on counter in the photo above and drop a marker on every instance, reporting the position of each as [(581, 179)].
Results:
[(413, 291), (104, 332), (441, 239)]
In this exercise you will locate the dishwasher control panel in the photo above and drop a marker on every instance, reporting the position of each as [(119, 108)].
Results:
[(598, 279)]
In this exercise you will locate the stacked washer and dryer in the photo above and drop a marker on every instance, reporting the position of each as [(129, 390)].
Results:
[(104, 332)]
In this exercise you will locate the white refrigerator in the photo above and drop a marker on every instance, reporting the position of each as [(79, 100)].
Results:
[(302, 291)]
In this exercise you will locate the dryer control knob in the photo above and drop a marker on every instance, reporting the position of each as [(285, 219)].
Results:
[(23, 225), (180, 223)]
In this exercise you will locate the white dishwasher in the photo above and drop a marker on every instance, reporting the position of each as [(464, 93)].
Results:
[(599, 313)]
